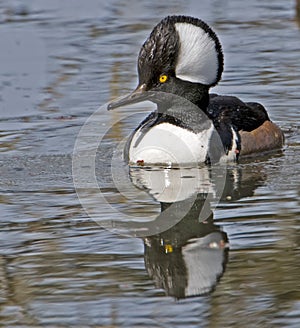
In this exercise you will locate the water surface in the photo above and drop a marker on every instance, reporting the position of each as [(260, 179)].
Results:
[(59, 61)]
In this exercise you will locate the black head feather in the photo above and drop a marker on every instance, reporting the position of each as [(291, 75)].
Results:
[(160, 51)]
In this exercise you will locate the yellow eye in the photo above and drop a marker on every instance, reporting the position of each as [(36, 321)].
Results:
[(163, 78)]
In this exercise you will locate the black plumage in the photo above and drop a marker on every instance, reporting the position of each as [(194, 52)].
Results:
[(232, 111)]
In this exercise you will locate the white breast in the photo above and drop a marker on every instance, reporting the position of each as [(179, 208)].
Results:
[(168, 144)]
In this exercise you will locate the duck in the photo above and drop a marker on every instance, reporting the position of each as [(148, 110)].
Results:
[(177, 65)]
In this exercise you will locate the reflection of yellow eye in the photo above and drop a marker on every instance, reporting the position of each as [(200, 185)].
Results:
[(163, 78), (168, 248)]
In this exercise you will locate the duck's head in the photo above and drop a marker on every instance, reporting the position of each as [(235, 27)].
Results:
[(182, 56)]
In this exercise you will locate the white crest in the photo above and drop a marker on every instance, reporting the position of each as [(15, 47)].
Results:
[(198, 58)]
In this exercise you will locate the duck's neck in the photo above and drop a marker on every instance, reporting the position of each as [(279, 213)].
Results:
[(188, 106), (185, 96), (197, 94)]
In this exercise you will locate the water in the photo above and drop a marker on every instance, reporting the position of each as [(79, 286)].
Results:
[(59, 61)]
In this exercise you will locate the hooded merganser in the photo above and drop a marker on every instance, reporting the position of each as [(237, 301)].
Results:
[(177, 65)]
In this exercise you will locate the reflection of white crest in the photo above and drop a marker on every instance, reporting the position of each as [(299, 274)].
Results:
[(204, 261)]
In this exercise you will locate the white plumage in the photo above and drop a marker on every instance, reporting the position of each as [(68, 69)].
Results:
[(166, 143), (198, 58)]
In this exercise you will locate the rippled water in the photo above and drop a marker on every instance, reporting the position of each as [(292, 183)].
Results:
[(61, 60)]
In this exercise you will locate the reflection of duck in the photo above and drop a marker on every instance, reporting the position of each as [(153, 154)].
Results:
[(177, 65), (173, 185), (298, 11), (189, 257)]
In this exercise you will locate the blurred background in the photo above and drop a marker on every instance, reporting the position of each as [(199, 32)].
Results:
[(60, 61)]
